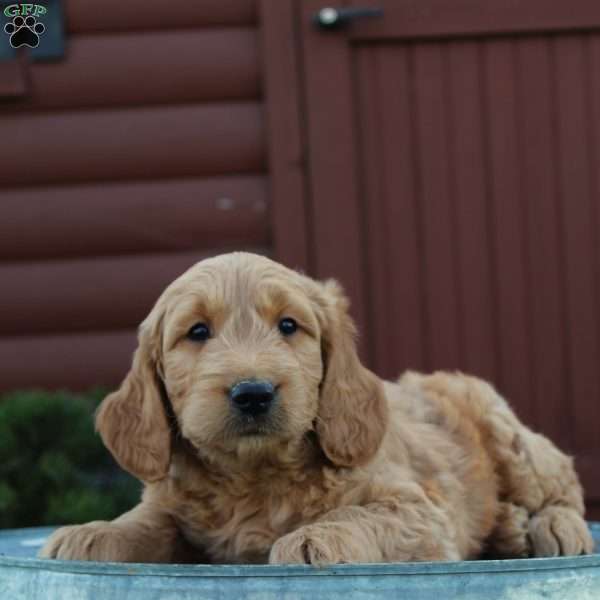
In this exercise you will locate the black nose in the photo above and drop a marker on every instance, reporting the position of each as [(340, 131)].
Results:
[(252, 397)]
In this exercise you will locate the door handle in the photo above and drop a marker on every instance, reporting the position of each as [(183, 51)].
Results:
[(333, 18)]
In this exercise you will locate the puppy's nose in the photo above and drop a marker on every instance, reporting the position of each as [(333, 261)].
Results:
[(252, 397)]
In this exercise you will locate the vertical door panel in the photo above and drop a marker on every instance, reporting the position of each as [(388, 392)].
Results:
[(464, 174)]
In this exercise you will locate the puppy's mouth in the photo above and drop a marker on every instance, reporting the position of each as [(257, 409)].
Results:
[(253, 426)]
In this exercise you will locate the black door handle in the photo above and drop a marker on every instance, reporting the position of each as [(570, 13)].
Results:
[(333, 18)]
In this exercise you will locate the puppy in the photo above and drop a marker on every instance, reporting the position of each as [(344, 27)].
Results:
[(260, 437)]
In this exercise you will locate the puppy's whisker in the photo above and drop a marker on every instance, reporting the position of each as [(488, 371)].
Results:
[(227, 341)]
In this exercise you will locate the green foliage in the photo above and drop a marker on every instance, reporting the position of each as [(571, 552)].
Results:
[(54, 469)]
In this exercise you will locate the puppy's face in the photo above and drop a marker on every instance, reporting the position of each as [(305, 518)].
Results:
[(241, 354), (249, 356)]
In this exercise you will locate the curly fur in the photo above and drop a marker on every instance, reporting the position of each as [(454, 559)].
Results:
[(346, 468)]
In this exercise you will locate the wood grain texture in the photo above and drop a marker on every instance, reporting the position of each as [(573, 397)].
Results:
[(86, 294), (141, 68), (577, 212), (138, 154), (284, 122), (412, 19), (508, 225), (476, 165), (592, 88), (373, 185), (538, 153), (469, 181), (115, 15), (586, 463), (438, 208), (73, 361), (14, 84), (337, 217), (169, 141), (171, 215), (394, 236)]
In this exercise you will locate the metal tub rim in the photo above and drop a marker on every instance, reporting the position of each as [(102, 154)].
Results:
[(370, 569)]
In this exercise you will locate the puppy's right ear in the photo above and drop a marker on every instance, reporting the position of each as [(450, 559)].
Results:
[(132, 421)]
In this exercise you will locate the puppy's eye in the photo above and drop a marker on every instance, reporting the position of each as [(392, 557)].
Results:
[(199, 332), (288, 326)]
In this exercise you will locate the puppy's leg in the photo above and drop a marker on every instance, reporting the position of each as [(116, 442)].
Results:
[(143, 534), (510, 538), (405, 527), (542, 494)]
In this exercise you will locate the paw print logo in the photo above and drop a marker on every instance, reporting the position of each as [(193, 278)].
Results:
[(24, 31)]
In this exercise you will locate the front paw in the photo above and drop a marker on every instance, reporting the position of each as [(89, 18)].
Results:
[(98, 540), (321, 544), (559, 531)]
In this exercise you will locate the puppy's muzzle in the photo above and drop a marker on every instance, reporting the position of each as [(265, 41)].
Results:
[(252, 397)]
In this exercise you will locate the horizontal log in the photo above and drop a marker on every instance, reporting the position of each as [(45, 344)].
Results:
[(166, 141), (116, 15), (76, 362), (120, 218), (13, 80), (86, 294), (156, 67)]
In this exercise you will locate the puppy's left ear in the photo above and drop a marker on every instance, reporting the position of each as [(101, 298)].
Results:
[(353, 410)]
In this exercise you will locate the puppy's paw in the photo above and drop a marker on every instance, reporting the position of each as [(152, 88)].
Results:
[(98, 540), (559, 531), (302, 547), (321, 544)]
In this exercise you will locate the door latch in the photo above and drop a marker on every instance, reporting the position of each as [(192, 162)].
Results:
[(333, 18)]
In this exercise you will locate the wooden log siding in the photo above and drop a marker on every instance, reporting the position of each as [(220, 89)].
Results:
[(99, 68), (107, 293), (150, 142), (140, 153), (84, 16), (76, 361), (133, 217)]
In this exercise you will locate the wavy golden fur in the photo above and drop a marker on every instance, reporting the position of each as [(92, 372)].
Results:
[(345, 467)]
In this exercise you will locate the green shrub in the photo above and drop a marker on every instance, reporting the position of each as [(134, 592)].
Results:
[(54, 469)]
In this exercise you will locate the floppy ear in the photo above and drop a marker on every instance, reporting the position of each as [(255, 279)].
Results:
[(132, 421), (353, 409)]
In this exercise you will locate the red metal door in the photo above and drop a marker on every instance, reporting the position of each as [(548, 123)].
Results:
[(454, 152)]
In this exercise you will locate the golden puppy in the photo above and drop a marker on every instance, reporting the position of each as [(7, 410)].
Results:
[(260, 437)]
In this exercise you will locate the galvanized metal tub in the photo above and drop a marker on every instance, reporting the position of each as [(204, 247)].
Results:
[(24, 577)]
